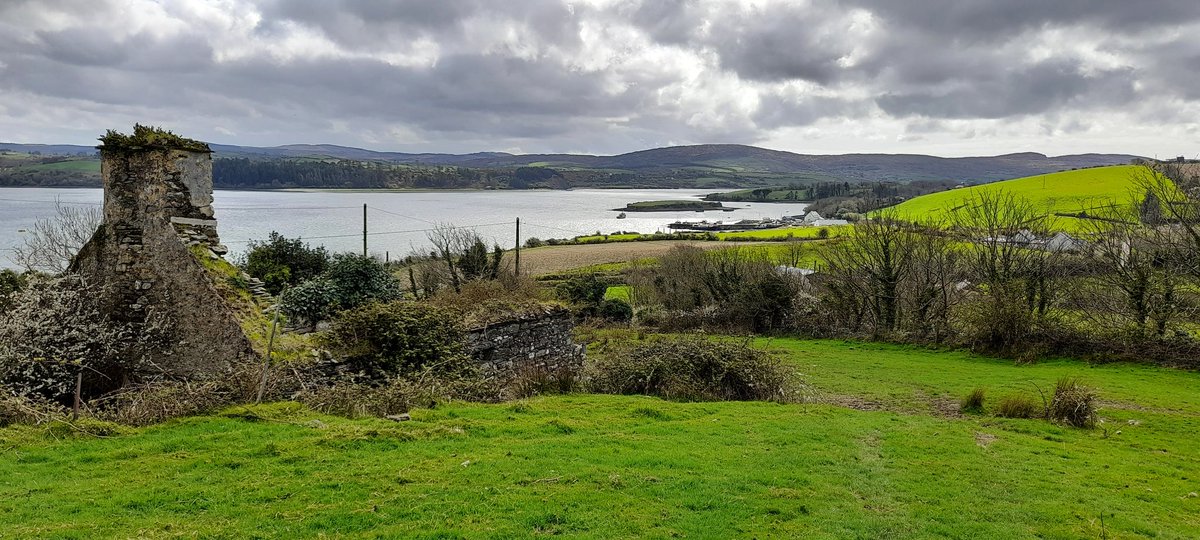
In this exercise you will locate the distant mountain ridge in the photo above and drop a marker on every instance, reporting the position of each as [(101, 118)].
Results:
[(725, 159)]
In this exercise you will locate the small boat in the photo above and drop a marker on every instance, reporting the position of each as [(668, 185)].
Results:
[(621, 215)]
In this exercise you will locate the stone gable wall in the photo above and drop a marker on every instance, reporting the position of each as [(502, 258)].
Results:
[(157, 209)]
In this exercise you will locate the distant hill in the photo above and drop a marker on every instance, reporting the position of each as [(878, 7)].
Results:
[(862, 167), (707, 165), (1068, 192)]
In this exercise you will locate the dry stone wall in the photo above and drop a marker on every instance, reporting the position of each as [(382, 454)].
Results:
[(537, 342)]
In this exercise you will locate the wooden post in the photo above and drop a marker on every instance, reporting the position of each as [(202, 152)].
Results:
[(78, 394), (518, 242), (262, 382), (364, 230)]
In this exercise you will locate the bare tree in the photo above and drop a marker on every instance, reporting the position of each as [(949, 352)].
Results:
[(1019, 279), (934, 284), (465, 255), (793, 254), (1142, 264), (449, 241), (53, 241), (871, 263), (1177, 189)]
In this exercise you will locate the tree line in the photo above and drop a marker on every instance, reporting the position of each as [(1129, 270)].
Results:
[(996, 277)]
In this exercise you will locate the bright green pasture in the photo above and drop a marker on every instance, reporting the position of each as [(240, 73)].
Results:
[(618, 292), (1062, 192), (77, 165), (901, 465), (787, 233)]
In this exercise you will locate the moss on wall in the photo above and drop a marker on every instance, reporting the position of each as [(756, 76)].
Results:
[(149, 137)]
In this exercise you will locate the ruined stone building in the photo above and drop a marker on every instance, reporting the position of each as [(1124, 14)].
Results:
[(158, 220)]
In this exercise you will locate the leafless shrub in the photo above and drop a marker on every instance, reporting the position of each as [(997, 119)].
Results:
[(355, 399), (730, 289), (52, 242), (692, 368), (359, 400), (156, 402), (15, 409)]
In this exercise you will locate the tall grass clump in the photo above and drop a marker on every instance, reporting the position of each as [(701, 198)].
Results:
[(1073, 404), (973, 402), (1016, 406), (692, 369)]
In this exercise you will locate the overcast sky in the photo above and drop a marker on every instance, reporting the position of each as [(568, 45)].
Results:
[(943, 77)]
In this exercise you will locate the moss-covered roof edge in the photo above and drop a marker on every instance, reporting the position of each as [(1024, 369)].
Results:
[(149, 137)]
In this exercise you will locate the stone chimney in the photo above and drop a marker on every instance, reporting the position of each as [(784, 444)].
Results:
[(145, 257)]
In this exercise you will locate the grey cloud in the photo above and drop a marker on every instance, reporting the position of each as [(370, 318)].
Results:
[(367, 24), (788, 110), (976, 21), (93, 47), (925, 61), (1029, 90)]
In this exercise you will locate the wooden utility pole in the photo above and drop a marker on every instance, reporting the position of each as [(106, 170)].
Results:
[(364, 230), (518, 242)]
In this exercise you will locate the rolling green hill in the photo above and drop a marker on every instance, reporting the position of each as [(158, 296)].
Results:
[(1067, 192)]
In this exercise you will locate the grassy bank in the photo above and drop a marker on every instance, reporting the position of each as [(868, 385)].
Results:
[(884, 457), (1067, 192)]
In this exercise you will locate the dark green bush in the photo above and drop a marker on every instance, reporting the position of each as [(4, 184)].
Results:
[(973, 402), (360, 280), (691, 368), (584, 290), (283, 261), (1073, 404), (615, 309), (10, 284), (397, 338), (1016, 406), (310, 302), (349, 282)]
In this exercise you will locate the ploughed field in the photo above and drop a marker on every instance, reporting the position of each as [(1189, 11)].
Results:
[(880, 451)]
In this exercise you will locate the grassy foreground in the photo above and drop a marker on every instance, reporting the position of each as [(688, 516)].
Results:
[(894, 463)]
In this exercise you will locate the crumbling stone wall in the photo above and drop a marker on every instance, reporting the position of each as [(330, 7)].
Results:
[(157, 210), (535, 342)]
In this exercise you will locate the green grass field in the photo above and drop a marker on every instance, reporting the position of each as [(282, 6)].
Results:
[(899, 463), (74, 165), (618, 292), (765, 235), (786, 233), (1065, 192)]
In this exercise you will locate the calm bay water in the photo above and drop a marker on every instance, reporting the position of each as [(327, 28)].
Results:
[(398, 221)]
